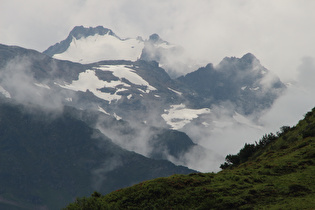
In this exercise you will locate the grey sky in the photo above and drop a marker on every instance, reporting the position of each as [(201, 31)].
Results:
[(279, 32)]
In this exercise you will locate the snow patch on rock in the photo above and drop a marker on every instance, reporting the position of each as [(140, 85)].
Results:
[(178, 115)]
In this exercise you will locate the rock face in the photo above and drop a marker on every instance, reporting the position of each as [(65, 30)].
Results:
[(242, 81)]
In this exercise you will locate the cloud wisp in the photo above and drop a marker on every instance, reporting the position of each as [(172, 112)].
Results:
[(18, 80), (298, 99)]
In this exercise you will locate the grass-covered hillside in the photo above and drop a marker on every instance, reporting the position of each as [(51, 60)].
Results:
[(278, 172)]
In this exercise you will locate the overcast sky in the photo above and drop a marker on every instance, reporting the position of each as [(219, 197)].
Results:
[(280, 33)]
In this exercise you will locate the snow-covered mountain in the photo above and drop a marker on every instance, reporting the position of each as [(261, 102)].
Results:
[(88, 45), (123, 89), (136, 90), (142, 93)]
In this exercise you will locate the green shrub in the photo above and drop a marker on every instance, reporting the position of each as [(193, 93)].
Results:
[(298, 190)]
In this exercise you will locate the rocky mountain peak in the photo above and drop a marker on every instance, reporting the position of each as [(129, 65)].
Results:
[(80, 31), (156, 39), (77, 32), (249, 58)]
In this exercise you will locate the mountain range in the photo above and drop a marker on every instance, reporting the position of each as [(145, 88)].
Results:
[(99, 107)]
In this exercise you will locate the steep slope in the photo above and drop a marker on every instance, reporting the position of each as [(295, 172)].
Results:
[(279, 175), (49, 158)]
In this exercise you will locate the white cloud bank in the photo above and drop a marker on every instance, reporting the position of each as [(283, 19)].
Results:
[(297, 101)]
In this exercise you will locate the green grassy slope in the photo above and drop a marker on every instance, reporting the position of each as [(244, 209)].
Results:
[(280, 175)]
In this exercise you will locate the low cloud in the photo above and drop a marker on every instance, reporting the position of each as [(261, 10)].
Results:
[(296, 101), (174, 59), (99, 175), (223, 134), (201, 159), (18, 79), (133, 137)]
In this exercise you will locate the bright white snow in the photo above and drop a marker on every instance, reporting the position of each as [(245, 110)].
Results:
[(101, 47), (123, 71), (178, 115), (89, 81), (102, 110), (117, 117), (141, 90)]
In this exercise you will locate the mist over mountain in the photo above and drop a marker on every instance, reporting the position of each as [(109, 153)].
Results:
[(126, 91), (48, 159), (242, 81), (141, 91)]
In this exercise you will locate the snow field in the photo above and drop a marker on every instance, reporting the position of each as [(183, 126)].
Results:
[(101, 47)]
